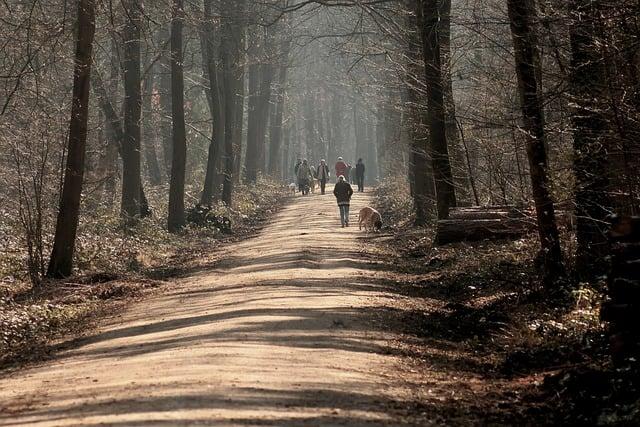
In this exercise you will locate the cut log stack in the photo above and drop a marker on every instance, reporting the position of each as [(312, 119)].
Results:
[(622, 311), (496, 222), (485, 222)]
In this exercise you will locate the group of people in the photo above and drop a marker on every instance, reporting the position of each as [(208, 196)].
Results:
[(306, 174)]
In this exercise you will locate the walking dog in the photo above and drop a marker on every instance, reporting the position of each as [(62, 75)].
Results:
[(370, 219)]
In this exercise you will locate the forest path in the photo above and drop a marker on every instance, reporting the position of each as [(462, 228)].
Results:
[(280, 332)]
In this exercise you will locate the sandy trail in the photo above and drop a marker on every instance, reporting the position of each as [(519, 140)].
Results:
[(277, 334)]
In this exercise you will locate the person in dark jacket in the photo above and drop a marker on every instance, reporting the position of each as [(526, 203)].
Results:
[(343, 193), (323, 175), (360, 175)]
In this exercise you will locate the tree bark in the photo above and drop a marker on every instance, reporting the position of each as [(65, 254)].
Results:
[(589, 130), (215, 105), (239, 81), (252, 158), (231, 55), (164, 92), (522, 15), (459, 170), (61, 261), (114, 126), (275, 133), (176, 218), (431, 27), (114, 144), (150, 154), (261, 74), (360, 131), (336, 128), (131, 182), (415, 122)]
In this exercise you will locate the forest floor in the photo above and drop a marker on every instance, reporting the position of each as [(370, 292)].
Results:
[(311, 324)]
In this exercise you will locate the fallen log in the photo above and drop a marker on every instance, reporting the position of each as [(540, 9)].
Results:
[(492, 222), (460, 230), (472, 214)]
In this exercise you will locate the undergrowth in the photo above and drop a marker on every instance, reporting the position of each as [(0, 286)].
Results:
[(112, 263), (486, 299), (393, 201)]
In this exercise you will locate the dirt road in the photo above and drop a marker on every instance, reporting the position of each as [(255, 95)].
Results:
[(279, 333)]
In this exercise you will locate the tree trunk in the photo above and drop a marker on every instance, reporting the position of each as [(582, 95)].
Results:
[(240, 84), (231, 56), (164, 91), (275, 133), (589, 130), (131, 182), (150, 154), (310, 125), (370, 156), (336, 130), (445, 190), (252, 155), (415, 124), (215, 105), (114, 145), (260, 78), (61, 261), (459, 170), (114, 126), (285, 168), (360, 131), (521, 15), (176, 218)]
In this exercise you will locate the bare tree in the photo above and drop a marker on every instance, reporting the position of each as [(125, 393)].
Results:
[(445, 190), (231, 55), (176, 218), (590, 128), (131, 180), (522, 18), (61, 261)]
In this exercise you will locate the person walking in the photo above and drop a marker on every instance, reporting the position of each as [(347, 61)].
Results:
[(360, 175), (297, 166), (304, 176), (341, 168), (343, 193), (323, 175)]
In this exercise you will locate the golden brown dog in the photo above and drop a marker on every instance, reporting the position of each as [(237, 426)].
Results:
[(370, 219)]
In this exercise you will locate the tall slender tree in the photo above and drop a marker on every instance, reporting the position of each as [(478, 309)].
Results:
[(231, 49), (431, 44), (131, 182), (61, 261), (164, 94), (415, 121), (275, 131), (211, 71), (176, 218), (588, 87), (527, 58), (150, 154)]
